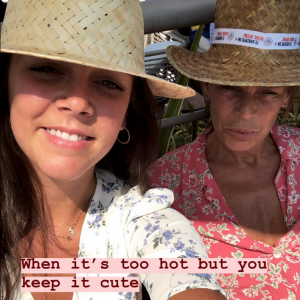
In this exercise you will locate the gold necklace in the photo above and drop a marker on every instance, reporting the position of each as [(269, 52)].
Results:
[(72, 226)]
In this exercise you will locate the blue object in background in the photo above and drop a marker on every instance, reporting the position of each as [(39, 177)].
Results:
[(211, 31), (192, 33)]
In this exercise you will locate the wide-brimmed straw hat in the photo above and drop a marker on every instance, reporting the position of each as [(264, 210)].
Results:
[(256, 43), (106, 34)]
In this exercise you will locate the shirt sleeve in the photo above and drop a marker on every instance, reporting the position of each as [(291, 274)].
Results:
[(154, 230)]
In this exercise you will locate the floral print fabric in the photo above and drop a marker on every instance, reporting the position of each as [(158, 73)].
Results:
[(127, 225), (185, 171)]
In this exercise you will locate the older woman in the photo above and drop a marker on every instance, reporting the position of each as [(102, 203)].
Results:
[(77, 116), (239, 182)]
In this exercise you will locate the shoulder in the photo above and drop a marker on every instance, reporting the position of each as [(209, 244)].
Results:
[(120, 198), (134, 205), (174, 162), (108, 183), (287, 140), (199, 141), (281, 133)]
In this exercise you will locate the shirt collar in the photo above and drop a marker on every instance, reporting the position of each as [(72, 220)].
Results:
[(286, 140)]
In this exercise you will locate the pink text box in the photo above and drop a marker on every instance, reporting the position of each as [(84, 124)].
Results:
[(79, 284), (143, 265)]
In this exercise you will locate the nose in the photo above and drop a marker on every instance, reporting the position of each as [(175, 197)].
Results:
[(76, 100), (246, 107)]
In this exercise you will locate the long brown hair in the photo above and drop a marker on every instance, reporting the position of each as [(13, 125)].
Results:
[(22, 209), (130, 162)]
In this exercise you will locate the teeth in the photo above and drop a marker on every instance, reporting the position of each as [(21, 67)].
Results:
[(58, 133), (74, 137), (66, 136)]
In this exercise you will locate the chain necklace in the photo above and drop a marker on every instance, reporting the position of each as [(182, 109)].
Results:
[(72, 226)]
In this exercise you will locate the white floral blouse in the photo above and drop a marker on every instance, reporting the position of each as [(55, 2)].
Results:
[(125, 224)]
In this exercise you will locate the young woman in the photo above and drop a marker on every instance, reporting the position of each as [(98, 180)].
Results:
[(72, 78)]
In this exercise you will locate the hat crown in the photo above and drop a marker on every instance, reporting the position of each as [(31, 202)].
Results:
[(238, 57), (268, 16), (88, 31)]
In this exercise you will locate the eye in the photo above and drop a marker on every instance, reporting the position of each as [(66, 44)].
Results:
[(269, 93), (45, 70), (228, 87), (110, 85)]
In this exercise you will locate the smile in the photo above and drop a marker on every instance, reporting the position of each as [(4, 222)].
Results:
[(66, 136)]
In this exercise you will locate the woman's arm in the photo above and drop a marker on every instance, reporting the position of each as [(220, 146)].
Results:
[(153, 230), (198, 294)]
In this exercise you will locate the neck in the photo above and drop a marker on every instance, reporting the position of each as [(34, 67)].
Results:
[(65, 200), (218, 152)]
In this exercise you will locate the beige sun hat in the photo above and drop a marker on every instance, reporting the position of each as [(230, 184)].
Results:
[(106, 34), (256, 43)]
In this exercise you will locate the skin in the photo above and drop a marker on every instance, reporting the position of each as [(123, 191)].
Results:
[(75, 97), (50, 94), (243, 157)]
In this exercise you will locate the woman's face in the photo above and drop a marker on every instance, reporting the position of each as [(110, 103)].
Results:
[(65, 117), (242, 117)]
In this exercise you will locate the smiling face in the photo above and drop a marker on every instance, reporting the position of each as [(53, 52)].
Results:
[(242, 117), (65, 117)]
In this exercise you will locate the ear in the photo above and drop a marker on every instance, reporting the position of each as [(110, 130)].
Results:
[(288, 95), (123, 126), (207, 89)]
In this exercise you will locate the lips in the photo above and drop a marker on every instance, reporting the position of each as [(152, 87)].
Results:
[(243, 131), (241, 134), (68, 134), (69, 139)]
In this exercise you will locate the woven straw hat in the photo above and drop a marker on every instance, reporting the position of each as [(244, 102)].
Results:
[(238, 62), (106, 34)]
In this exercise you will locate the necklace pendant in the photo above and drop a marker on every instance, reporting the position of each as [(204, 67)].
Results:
[(69, 238), (71, 230)]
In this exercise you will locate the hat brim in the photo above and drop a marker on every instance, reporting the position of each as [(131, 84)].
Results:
[(158, 86), (211, 68)]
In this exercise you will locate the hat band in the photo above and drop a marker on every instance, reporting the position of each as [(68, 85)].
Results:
[(256, 39)]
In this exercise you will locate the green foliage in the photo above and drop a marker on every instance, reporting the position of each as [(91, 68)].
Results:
[(174, 105), (293, 119), (184, 134)]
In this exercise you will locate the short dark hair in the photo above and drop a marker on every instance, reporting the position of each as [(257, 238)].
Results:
[(22, 205)]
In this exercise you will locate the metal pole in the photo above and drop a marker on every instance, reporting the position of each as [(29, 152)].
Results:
[(161, 15), (185, 118)]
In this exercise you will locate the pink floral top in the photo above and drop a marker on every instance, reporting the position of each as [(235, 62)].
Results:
[(198, 197)]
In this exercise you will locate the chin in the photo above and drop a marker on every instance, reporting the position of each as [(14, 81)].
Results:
[(238, 146), (63, 169)]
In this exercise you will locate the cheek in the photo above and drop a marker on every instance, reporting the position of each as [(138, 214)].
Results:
[(112, 112), (28, 99), (110, 119), (23, 110), (220, 111), (269, 111)]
